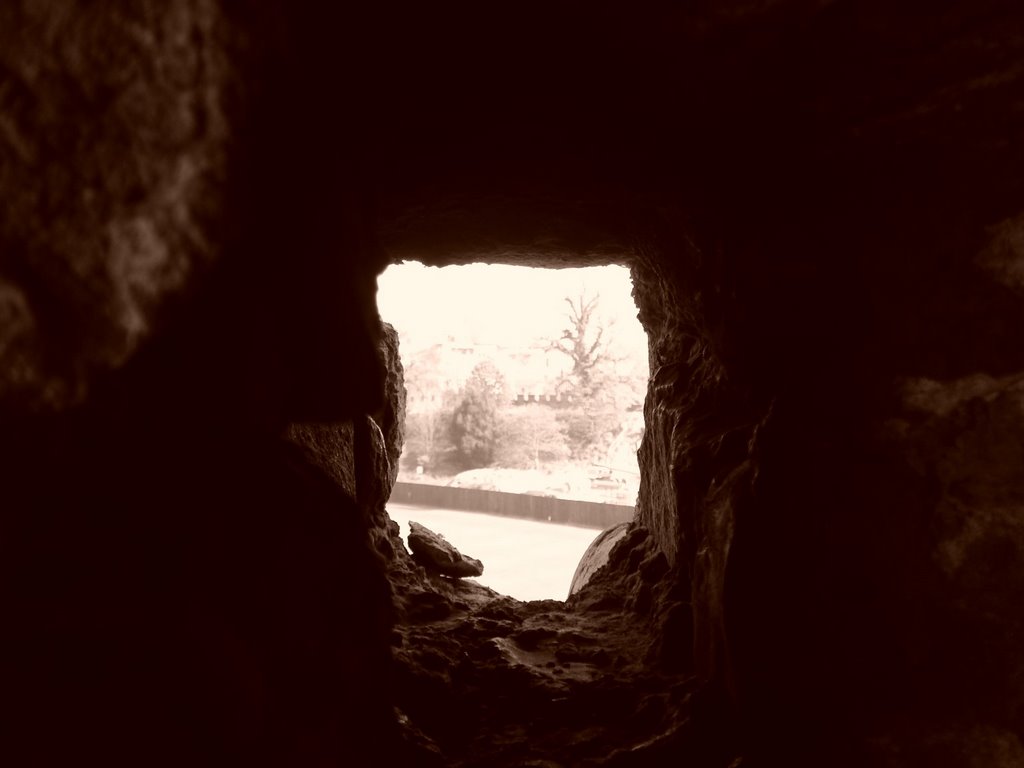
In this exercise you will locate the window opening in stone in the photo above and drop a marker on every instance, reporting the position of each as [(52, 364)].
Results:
[(524, 412)]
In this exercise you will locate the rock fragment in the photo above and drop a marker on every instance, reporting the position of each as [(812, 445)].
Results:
[(434, 553), (596, 556)]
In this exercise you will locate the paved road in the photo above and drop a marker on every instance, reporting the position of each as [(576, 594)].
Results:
[(522, 558)]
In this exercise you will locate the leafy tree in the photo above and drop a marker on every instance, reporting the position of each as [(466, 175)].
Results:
[(473, 427), (530, 436), (584, 429), (427, 438)]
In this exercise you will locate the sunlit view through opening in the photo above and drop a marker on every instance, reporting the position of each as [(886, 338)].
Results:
[(524, 413)]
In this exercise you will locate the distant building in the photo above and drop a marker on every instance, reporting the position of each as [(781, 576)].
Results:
[(531, 373)]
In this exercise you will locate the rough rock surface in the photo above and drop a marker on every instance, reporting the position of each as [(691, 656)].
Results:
[(112, 217), (182, 585), (596, 556), (486, 680), (330, 447), (433, 552)]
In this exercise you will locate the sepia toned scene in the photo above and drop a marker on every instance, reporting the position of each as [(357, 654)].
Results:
[(512, 384), (519, 383)]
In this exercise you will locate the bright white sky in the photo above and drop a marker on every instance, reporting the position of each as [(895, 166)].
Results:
[(501, 304)]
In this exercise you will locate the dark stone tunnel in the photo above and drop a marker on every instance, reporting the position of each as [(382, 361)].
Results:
[(822, 207)]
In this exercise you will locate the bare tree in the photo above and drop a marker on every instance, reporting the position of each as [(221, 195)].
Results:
[(601, 393), (586, 342), (530, 436)]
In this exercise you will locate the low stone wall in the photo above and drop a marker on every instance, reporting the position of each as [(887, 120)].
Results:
[(587, 514)]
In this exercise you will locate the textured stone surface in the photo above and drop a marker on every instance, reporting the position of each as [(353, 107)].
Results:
[(361, 455), (499, 682), (433, 552), (392, 414), (181, 585), (330, 447), (596, 556), (113, 152)]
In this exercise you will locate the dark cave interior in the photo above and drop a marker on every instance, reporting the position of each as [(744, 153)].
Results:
[(822, 205)]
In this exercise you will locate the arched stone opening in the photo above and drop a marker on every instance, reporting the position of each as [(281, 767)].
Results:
[(478, 668)]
